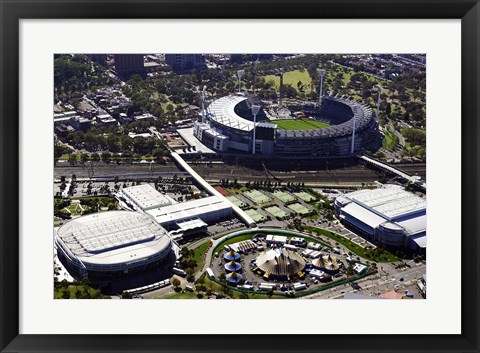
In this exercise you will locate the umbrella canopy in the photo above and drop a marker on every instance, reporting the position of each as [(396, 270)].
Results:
[(234, 277), (231, 256), (232, 266)]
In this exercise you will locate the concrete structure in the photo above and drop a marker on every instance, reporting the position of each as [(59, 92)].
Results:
[(388, 215), (129, 64), (416, 180), (109, 244), (238, 211), (184, 62), (229, 127), (145, 197), (207, 209)]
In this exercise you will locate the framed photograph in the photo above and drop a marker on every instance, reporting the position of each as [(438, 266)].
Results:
[(212, 165)]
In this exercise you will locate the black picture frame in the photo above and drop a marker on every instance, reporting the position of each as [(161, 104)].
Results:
[(12, 11)]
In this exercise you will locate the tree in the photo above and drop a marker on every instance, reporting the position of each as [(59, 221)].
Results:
[(126, 295), (65, 293), (175, 282), (84, 157), (106, 157), (95, 157), (72, 158)]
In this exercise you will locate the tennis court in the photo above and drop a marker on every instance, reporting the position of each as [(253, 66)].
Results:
[(299, 209), (283, 196), (305, 196), (257, 197), (237, 202), (276, 211), (256, 216)]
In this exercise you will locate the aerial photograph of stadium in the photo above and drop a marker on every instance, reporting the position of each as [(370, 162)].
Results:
[(241, 176)]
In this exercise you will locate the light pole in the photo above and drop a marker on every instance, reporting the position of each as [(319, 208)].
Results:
[(379, 88), (353, 133), (321, 72), (255, 110), (203, 104), (240, 75)]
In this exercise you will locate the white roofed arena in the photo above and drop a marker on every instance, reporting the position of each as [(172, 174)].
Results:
[(388, 215), (102, 244)]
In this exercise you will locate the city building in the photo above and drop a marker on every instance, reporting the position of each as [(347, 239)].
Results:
[(80, 124), (129, 64), (388, 215), (184, 62), (106, 245)]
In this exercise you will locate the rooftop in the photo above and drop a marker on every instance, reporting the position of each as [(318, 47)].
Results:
[(145, 196), (113, 237), (188, 210), (389, 201), (223, 111)]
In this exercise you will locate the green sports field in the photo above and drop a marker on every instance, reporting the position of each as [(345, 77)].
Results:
[(291, 78), (299, 124)]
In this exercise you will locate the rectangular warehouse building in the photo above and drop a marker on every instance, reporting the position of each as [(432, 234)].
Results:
[(145, 197), (388, 215), (207, 209)]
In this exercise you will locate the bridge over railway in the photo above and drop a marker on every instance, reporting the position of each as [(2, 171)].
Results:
[(393, 170)]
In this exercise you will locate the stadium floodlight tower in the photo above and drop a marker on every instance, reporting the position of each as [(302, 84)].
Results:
[(203, 104), (321, 72), (353, 133), (379, 88), (240, 75), (255, 110)]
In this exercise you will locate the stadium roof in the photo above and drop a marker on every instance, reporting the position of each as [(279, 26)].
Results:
[(389, 201), (362, 114), (188, 210), (222, 111), (145, 196), (361, 213), (113, 237)]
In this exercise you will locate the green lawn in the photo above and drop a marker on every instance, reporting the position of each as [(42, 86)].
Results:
[(236, 240), (377, 255), (292, 78), (185, 295), (299, 124), (199, 253), (390, 141), (94, 293)]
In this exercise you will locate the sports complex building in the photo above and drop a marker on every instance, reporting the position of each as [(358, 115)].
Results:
[(108, 244), (388, 215), (227, 125)]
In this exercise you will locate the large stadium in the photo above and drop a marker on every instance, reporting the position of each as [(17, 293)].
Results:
[(333, 127), (108, 244)]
